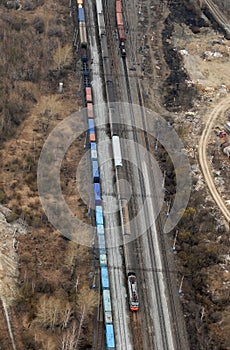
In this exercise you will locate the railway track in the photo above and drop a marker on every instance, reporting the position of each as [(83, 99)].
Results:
[(137, 331), (139, 243), (5, 341), (149, 275), (117, 276), (150, 342), (218, 16)]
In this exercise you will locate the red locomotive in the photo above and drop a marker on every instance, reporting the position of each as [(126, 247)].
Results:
[(133, 296)]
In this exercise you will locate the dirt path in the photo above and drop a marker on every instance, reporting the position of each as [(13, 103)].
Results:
[(203, 158)]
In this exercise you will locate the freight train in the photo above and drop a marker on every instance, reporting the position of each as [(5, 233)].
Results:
[(108, 319), (120, 27), (131, 278)]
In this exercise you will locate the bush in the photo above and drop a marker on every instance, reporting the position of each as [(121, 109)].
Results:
[(12, 217), (39, 25)]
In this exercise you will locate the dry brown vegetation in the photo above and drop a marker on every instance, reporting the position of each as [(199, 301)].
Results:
[(51, 310)]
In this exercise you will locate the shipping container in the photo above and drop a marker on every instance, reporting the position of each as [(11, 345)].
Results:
[(101, 242), (116, 151), (83, 36), (104, 278), (97, 193), (95, 171), (108, 317), (92, 137), (81, 14), (99, 215), (119, 19), (121, 33), (88, 94), (125, 214), (106, 300), (91, 126), (89, 107), (118, 6), (100, 230), (93, 150), (102, 250), (109, 332), (103, 260)]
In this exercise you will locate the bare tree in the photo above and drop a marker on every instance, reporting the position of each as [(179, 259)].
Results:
[(62, 57)]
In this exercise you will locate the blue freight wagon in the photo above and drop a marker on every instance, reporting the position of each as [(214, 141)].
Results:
[(93, 151), (109, 333), (104, 278), (102, 251), (97, 193), (95, 171), (91, 127), (99, 215), (100, 230), (81, 14), (103, 259)]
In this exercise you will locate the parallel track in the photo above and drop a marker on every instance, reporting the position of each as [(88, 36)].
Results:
[(139, 240)]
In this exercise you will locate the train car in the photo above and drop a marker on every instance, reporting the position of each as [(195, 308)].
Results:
[(109, 334), (104, 278), (91, 126), (118, 6), (82, 34), (116, 151), (108, 317), (119, 18), (103, 259), (95, 171), (89, 107), (107, 307), (120, 27), (81, 14), (97, 193), (125, 213), (133, 296), (106, 300), (100, 230), (84, 56), (99, 216), (93, 151), (92, 137), (101, 242), (88, 94)]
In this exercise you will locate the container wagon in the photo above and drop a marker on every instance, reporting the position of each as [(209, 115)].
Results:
[(109, 332), (116, 151), (95, 171), (104, 278)]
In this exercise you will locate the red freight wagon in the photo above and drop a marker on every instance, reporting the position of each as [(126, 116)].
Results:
[(119, 19), (90, 110), (121, 33), (88, 94), (118, 6), (92, 137)]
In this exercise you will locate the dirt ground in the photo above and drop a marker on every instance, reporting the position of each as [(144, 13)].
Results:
[(184, 79)]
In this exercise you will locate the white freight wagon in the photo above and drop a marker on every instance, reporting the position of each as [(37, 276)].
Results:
[(116, 151)]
